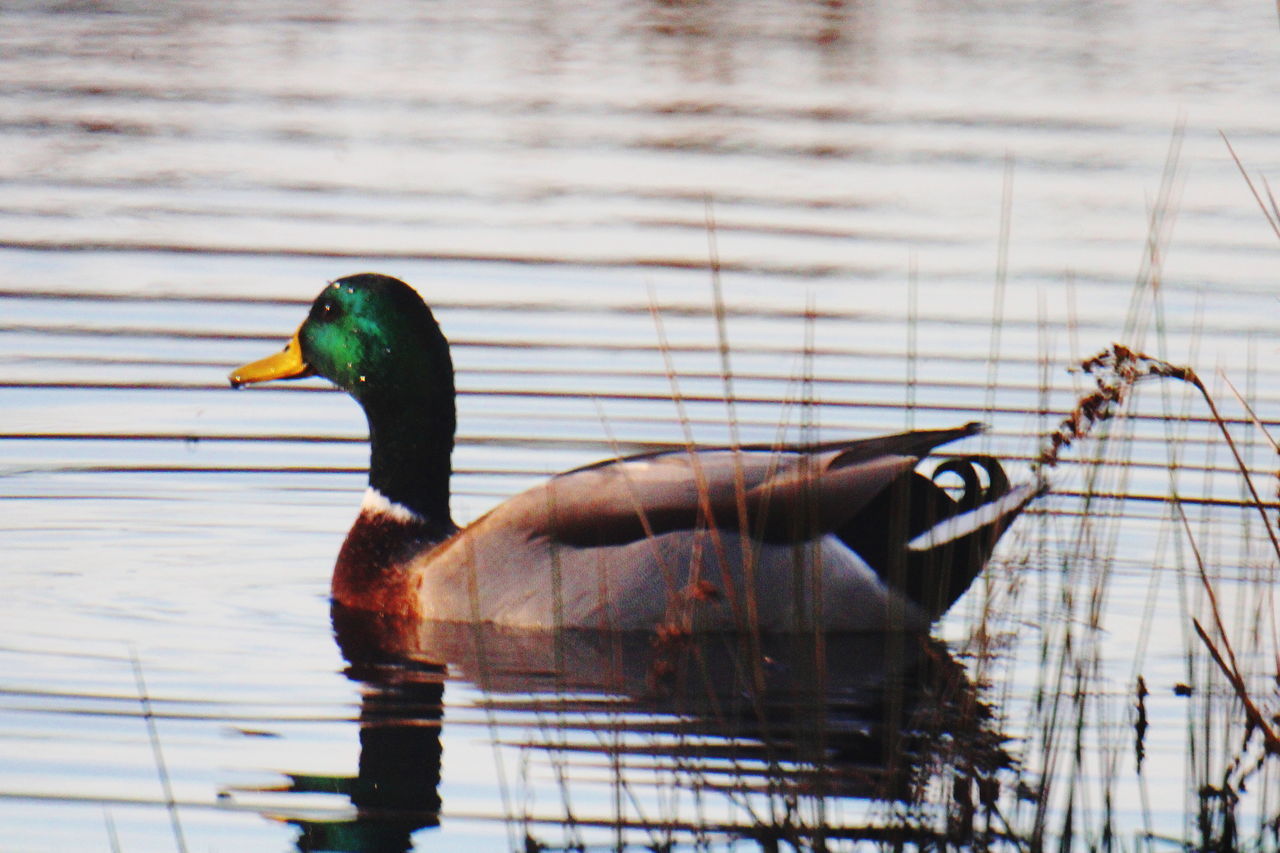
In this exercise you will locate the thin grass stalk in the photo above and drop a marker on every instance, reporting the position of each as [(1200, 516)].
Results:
[(1257, 719), (1269, 602), (913, 354), (646, 526), (1258, 503), (153, 734), (704, 500), (700, 479), (1272, 214), (1001, 280), (1224, 656), (739, 474), (483, 682), (112, 838)]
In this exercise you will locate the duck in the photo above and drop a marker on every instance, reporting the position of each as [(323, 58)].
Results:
[(844, 536)]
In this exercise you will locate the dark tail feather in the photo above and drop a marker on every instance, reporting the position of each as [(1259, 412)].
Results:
[(930, 546)]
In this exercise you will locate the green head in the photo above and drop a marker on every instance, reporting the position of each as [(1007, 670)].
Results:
[(371, 334), (367, 334), (374, 337)]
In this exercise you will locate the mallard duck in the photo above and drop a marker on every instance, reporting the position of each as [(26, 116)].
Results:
[(843, 536)]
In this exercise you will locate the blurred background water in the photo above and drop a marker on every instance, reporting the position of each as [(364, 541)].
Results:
[(921, 213)]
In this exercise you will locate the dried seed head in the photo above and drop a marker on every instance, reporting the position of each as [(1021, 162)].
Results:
[(1115, 371)]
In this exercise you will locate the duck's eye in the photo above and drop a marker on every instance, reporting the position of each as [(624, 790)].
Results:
[(324, 311)]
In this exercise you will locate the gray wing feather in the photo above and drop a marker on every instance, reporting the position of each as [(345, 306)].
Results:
[(779, 496)]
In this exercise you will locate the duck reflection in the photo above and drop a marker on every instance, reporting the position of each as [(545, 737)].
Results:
[(891, 717), (394, 792)]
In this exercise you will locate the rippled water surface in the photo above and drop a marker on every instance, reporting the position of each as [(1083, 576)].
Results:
[(921, 214)]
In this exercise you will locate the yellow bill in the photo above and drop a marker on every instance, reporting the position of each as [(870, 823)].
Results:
[(286, 364)]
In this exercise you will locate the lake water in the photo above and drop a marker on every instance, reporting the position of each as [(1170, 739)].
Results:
[(921, 214)]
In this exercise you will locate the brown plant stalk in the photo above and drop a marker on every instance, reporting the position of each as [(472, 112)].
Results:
[(1115, 372)]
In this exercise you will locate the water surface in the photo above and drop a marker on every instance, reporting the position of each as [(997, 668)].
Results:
[(922, 214)]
